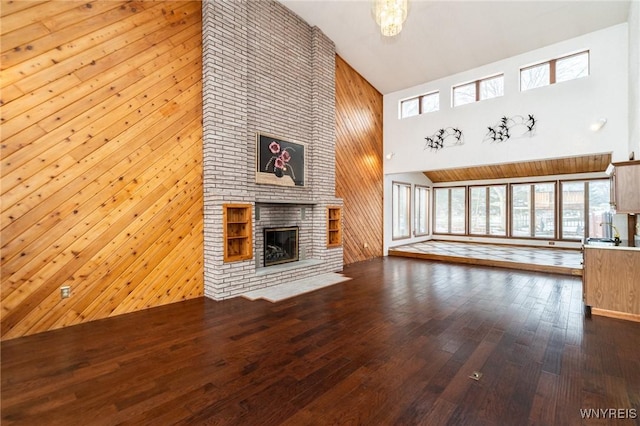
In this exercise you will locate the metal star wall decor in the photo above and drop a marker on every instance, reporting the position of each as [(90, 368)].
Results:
[(443, 138), (511, 126)]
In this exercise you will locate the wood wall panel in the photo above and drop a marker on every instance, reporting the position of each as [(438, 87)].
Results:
[(101, 159), (359, 180), (555, 166)]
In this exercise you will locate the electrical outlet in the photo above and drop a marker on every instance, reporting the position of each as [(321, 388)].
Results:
[(366, 245), (65, 291)]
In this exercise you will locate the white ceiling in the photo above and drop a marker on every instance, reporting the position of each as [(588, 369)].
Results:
[(442, 38)]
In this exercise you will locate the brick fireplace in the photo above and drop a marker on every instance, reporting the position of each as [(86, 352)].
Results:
[(266, 70)]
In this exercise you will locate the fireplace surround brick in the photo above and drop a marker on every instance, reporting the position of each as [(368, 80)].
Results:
[(265, 69)]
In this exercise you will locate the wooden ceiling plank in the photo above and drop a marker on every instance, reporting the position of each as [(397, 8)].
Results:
[(550, 167)]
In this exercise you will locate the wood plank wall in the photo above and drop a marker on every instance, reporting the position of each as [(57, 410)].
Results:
[(101, 159), (359, 180)]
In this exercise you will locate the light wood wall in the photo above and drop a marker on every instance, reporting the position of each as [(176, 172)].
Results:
[(553, 166), (101, 159), (359, 180)]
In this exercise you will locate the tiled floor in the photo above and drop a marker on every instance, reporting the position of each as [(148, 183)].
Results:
[(566, 261), (284, 291)]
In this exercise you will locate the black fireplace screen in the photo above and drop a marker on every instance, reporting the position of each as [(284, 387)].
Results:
[(280, 245)]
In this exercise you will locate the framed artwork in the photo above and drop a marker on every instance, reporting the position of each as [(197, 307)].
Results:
[(279, 162)]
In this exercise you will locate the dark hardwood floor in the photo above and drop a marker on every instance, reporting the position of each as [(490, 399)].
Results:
[(394, 345)]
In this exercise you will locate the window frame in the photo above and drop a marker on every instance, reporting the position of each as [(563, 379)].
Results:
[(532, 210), (476, 84), (419, 99), (552, 69), (557, 209), (427, 199), (393, 209), (585, 207), (449, 221), (487, 198)]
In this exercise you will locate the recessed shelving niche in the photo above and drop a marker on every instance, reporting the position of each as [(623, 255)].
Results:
[(334, 226), (238, 244)]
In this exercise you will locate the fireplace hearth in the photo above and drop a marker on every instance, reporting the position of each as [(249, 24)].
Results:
[(280, 245)]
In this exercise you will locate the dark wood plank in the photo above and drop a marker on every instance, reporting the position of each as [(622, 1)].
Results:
[(394, 345)]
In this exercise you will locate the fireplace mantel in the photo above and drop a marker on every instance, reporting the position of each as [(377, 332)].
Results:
[(286, 201)]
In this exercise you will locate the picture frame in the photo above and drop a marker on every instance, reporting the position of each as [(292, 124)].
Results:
[(280, 162)]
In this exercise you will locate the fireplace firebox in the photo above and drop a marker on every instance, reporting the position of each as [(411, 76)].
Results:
[(280, 245)]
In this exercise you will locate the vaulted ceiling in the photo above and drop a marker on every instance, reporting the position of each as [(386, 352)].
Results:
[(442, 38)]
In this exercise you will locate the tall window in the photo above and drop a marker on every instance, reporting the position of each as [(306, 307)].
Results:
[(533, 210), (450, 210), (401, 215), (422, 104), (488, 210), (585, 209), (486, 88), (422, 210), (555, 71)]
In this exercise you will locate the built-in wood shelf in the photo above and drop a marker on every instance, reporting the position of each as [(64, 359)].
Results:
[(334, 226), (238, 243)]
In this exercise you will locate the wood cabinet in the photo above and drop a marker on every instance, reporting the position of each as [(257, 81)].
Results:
[(610, 281), (334, 226), (237, 235), (626, 187)]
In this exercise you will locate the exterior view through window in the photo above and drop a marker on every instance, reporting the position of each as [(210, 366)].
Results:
[(420, 105), (581, 209), (422, 210), (487, 88), (401, 215), (555, 71), (586, 211), (533, 213), (450, 210)]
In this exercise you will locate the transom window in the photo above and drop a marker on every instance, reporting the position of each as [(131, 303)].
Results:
[(420, 105), (566, 68), (486, 88)]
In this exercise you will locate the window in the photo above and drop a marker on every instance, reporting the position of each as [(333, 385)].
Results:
[(487, 88), (585, 209), (410, 107), (567, 210), (555, 71), (492, 87), (533, 210), (450, 210), (488, 210), (535, 76), (420, 105), (401, 215), (422, 210)]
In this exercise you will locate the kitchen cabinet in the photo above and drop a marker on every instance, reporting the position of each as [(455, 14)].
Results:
[(626, 187), (610, 281)]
